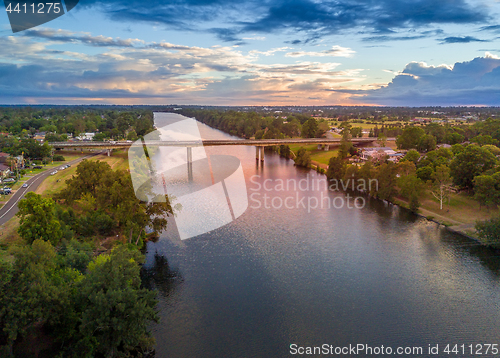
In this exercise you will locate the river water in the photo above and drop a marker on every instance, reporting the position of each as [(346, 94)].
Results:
[(274, 277)]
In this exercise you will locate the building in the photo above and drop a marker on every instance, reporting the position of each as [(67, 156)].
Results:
[(443, 146), (4, 171), (4, 157), (40, 137), (380, 153), (86, 136)]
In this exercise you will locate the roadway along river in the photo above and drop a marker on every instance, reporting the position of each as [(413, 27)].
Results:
[(10, 209), (277, 277)]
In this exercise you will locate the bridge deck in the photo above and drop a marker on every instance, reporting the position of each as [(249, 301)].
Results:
[(210, 142)]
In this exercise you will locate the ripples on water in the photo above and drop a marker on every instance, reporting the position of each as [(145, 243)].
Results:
[(378, 275)]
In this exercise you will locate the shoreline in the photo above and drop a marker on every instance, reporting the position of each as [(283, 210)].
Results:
[(401, 204)]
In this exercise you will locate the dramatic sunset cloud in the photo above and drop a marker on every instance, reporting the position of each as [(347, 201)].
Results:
[(388, 52)]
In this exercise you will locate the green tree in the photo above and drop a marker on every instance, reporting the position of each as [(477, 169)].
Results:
[(366, 172), (454, 138), (412, 155), (336, 168), (115, 310), (484, 140), (310, 128), (489, 232), (387, 181), (457, 148), (426, 143), (89, 175), (292, 128), (323, 127), (109, 202), (414, 203), (440, 188), (38, 219), (406, 168), (285, 151), (382, 139), (409, 138), (303, 159), (76, 255), (351, 175), (345, 142), (425, 173), (356, 132), (38, 292), (492, 148), (410, 185), (132, 135), (437, 131), (469, 163)]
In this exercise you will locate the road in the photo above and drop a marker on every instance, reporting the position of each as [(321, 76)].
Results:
[(9, 210)]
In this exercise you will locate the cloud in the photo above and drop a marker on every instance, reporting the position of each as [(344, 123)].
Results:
[(494, 28), (460, 39), (270, 52), (85, 38), (255, 38), (475, 82), (335, 51), (312, 19), (32, 72), (385, 38), (381, 16)]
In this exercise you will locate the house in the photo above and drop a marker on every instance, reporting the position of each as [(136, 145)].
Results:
[(40, 137), (19, 161), (4, 171), (381, 152), (443, 146), (86, 136), (4, 157)]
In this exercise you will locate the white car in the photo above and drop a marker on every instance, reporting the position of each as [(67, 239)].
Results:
[(54, 172), (25, 185)]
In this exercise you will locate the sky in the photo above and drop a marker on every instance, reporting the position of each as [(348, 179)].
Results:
[(258, 52)]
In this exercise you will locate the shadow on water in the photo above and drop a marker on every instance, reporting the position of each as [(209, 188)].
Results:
[(160, 276), (488, 257)]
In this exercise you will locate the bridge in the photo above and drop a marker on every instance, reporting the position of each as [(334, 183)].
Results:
[(258, 143)]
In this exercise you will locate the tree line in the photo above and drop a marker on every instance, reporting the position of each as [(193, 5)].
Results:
[(63, 284), (255, 125)]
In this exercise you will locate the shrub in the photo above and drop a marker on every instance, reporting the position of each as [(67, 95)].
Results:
[(104, 223), (489, 232)]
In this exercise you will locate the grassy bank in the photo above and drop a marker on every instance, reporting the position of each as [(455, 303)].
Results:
[(51, 185), (54, 183), (323, 157)]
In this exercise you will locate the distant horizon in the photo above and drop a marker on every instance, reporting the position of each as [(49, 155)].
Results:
[(396, 53), (237, 105)]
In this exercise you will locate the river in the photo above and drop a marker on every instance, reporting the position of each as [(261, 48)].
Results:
[(275, 277)]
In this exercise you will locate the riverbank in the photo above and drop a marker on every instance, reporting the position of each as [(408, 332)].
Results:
[(51, 185), (459, 214)]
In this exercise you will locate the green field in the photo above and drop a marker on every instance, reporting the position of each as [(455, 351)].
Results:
[(368, 126), (317, 155), (54, 183)]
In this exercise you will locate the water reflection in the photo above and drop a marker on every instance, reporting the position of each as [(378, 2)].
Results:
[(160, 276), (377, 275)]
